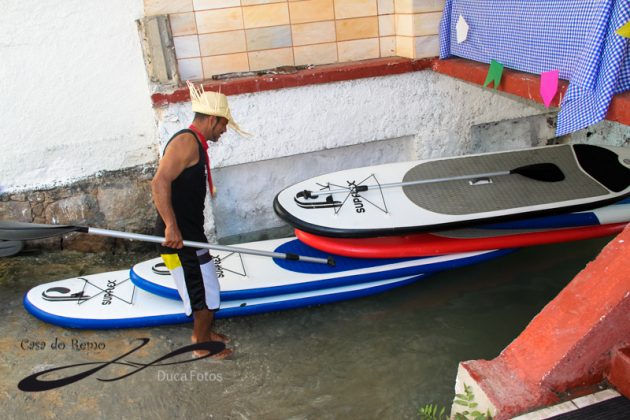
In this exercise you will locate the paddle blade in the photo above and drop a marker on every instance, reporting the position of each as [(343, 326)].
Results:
[(547, 172), (8, 248), (20, 231)]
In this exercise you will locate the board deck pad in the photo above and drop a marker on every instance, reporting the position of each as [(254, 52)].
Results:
[(370, 202), (247, 276), (504, 192), (111, 300)]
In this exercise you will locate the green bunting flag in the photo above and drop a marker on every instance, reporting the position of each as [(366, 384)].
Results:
[(494, 74)]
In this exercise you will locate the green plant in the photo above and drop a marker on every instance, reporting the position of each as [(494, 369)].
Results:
[(467, 399), (430, 412)]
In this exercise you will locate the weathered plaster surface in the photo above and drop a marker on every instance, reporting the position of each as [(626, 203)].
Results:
[(74, 95), (247, 190), (436, 109)]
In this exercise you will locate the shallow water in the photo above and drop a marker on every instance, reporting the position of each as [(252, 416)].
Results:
[(382, 356)]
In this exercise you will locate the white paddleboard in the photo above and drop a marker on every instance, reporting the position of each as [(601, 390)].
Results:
[(594, 176), (244, 276), (111, 300), (618, 212)]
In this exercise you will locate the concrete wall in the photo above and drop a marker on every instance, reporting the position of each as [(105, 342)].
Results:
[(305, 131), (74, 97)]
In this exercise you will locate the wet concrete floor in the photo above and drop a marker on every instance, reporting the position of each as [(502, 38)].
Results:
[(378, 357)]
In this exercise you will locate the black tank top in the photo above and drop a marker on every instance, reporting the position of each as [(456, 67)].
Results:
[(188, 195)]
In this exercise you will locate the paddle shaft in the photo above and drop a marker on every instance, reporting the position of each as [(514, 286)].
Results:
[(21, 231), (361, 188), (193, 244)]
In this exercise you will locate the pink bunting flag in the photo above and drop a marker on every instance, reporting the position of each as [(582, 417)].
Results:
[(549, 86)]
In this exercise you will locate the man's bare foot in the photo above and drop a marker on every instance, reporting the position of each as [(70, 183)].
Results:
[(214, 336), (219, 356)]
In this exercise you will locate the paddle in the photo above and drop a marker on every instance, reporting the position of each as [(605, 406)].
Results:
[(20, 231), (8, 248), (545, 172)]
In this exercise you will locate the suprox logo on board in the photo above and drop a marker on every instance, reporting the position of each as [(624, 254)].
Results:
[(232, 262), (217, 262), (109, 292), (65, 294), (356, 198), (336, 197)]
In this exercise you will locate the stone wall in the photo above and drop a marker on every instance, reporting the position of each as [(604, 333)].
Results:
[(116, 200)]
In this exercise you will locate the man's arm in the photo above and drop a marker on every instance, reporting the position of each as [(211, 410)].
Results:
[(181, 153)]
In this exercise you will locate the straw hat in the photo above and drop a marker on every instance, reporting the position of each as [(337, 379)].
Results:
[(212, 103)]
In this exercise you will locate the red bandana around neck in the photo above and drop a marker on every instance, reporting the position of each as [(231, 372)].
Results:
[(204, 145)]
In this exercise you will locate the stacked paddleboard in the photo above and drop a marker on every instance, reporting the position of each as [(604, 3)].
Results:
[(146, 294), (605, 221), (388, 226), (496, 200)]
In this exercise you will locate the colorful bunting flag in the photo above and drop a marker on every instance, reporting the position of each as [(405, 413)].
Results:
[(549, 86), (494, 74), (624, 31), (462, 29)]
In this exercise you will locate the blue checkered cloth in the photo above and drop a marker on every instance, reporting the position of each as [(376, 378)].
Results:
[(576, 37)]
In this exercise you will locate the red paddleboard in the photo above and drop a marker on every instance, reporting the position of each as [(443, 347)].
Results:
[(446, 242)]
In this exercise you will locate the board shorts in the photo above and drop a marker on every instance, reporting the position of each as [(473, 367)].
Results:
[(195, 277)]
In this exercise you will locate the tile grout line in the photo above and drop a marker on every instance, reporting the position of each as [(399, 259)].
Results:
[(336, 37), (249, 66), (197, 33), (291, 33)]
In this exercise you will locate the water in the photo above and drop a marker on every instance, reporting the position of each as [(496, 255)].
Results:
[(388, 355), (383, 356)]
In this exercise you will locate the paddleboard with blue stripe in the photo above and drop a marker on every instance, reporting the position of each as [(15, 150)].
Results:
[(111, 300), (249, 276)]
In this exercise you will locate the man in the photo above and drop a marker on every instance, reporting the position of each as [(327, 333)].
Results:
[(179, 191)]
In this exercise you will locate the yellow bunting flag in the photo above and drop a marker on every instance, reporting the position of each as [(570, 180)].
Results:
[(624, 31), (494, 74)]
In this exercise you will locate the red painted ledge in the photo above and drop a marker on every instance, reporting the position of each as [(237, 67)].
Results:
[(316, 75), (619, 374), (525, 85)]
